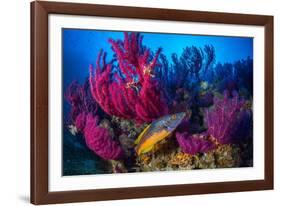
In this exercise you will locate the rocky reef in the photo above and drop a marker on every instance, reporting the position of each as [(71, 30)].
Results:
[(170, 157)]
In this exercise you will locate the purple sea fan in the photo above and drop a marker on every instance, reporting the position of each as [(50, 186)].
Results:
[(74, 96), (99, 140), (193, 144), (244, 126), (223, 118), (81, 102)]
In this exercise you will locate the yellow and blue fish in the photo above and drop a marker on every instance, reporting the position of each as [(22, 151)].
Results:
[(157, 131)]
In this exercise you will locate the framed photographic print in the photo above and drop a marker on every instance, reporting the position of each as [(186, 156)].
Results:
[(133, 102)]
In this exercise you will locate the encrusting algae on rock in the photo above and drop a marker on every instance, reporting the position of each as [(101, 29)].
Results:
[(224, 156)]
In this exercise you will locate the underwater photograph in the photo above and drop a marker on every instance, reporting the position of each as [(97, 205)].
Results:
[(145, 102)]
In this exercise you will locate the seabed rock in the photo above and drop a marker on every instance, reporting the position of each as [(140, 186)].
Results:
[(168, 156)]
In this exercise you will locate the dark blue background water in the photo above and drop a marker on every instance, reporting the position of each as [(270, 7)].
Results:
[(81, 48)]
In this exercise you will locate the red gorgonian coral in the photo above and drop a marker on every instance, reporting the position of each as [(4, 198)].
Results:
[(81, 102), (132, 92), (83, 115), (99, 140)]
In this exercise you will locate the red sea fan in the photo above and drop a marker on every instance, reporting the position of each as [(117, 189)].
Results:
[(83, 116), (132, 92), (80, 121), (151, 104), (99, 140)]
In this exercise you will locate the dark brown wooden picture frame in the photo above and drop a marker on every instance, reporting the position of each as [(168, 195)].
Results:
[(39, 102)]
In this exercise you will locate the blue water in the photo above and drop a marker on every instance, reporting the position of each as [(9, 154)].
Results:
[(81, 48)]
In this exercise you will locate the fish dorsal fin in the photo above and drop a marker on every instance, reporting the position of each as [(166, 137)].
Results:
[(141, 134)]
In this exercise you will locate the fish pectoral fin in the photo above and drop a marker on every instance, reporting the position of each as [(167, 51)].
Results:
[(145, 150), (162, 135), (169, 134), (141, 135), (151, 141)]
